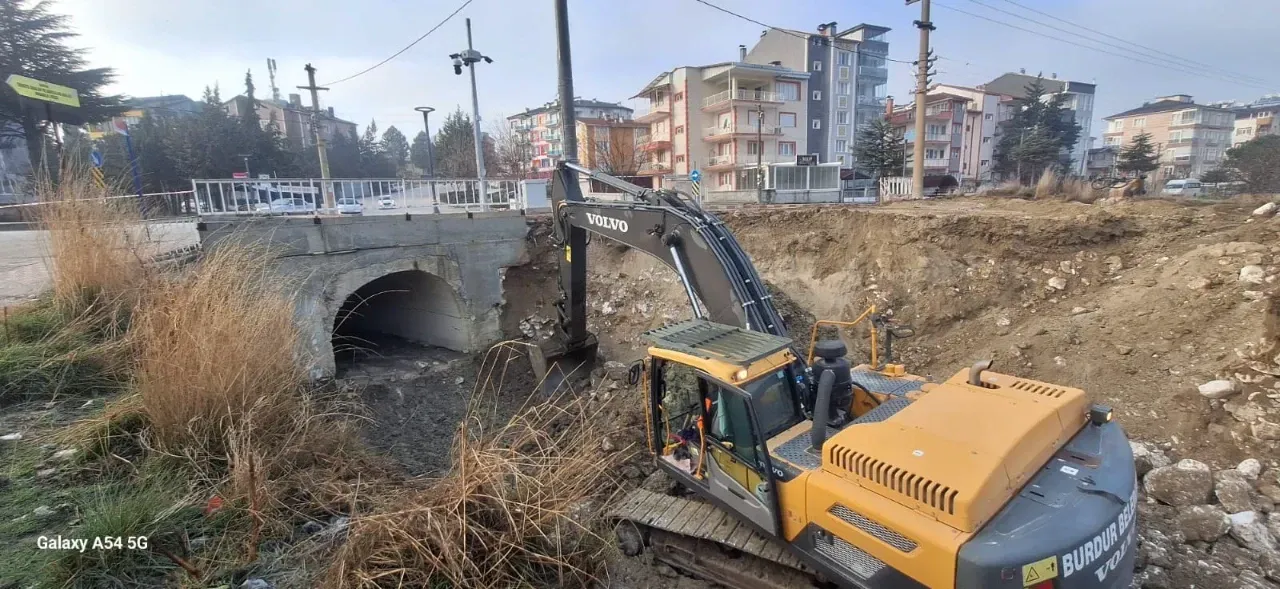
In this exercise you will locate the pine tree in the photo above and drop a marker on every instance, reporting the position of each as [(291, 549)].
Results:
[(419, 154), (880, 150), (1046, 116), (1139, 157), (1257, 163), (455, 147), (33, 43), (396, 146)]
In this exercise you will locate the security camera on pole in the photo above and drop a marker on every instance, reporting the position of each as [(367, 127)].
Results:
[(469, 58)]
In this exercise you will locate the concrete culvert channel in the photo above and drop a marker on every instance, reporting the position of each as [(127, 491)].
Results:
[(398, 308)]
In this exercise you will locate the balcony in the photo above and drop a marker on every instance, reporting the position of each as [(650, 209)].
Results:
[(555, 153), (719, 133), (654, 112), (747, 159), (648, 168), (880, 48), (724, 99), (872, 72), (654, 144), (871, 100), (938, 137), (1174, 142), (936, 163)]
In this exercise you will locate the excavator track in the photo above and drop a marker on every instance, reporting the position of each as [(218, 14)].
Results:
[(707, 542)]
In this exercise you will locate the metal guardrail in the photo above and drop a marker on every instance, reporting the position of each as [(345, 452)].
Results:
[(306, 196)]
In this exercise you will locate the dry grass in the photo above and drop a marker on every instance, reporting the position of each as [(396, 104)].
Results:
[(1047, 185), (217, 350), (516, 510), (1078, 190), (1009, 188), (92, 244)]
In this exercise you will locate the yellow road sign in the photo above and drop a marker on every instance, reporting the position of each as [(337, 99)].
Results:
[(38, 90), (1039, 571)]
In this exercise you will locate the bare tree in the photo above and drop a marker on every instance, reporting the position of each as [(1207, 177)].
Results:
[(620, 155), (513, 150)]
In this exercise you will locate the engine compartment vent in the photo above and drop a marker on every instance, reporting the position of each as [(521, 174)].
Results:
[(898, 480), (1038, 388), (875, 529)]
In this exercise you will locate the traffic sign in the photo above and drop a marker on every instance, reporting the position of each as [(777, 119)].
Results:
[(695, 175), (239, 175), (96, 156), (810, 159), (38, 90), (120, 125)]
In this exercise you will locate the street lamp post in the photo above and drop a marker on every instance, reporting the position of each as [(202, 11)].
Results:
[(426, 124), (469, 58), (247, 173)]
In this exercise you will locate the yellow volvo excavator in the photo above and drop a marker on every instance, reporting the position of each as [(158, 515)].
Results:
[(809, 470)]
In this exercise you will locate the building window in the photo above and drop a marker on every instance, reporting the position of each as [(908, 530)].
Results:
[(753, 148), (679, 131), (985, 163), (842, 117), (725, 179), (934, 154), (678, 97), (988, 117), (786, 148), (817, 95), (787, 119), (936, 130), (788, 90), (844, 58), (1111, 141), (842, 130), (986, 140), (1140, 122), (1117, 125), (817, 66), (844, 88), (602, 147), (842, 146), (844, 72), (842, 101), (817, 123), (679, 159)]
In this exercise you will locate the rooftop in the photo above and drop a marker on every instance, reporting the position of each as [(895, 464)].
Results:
[(1166, 104), (1016, 85), (554, 105)]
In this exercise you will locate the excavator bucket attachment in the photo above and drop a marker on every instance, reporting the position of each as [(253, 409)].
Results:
[(554, 361)]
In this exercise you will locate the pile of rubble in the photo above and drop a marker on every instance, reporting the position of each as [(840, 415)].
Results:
[(1206, 529), (1248, 402)]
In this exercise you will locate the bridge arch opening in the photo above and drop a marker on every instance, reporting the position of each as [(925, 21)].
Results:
[(407, 306)]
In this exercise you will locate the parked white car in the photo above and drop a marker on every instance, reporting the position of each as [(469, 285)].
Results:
[(286, 206), (386, 202), (350, 206), (1183, 187)]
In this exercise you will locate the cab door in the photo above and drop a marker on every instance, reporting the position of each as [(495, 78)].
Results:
[(736, 473)]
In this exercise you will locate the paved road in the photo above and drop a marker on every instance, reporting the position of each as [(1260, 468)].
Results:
[(24, 273)]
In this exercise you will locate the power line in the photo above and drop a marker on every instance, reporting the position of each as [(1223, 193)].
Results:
[(406, 47), (1225, 74), (1122, 40), (1104, 51), (779, 29)]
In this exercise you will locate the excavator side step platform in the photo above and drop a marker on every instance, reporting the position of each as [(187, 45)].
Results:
[(696, 519)]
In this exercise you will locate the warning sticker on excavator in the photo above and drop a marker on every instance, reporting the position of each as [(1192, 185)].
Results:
[(1039, 571)]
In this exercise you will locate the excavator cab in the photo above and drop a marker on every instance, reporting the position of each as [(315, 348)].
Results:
[(717, 394)]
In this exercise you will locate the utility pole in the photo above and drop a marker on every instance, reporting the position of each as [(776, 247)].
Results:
[(922, 94), (426, 124), (759, 153), (469, 58), (574, 305), (315, 126)]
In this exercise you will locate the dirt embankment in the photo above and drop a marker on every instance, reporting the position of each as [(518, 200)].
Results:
[(1137, 303)]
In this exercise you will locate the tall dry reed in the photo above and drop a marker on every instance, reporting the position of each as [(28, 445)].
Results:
[(1047, 185)]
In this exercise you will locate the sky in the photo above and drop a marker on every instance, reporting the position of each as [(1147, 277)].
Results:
[(168, 47)]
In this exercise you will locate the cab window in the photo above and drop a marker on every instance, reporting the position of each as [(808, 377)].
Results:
[(731, 423), (775, 406)]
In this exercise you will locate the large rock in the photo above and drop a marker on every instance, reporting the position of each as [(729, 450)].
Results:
[(1152, 577), (1206, 523), (1157, 548), (1251, 580), (1265, 430), (1250, 530), (1264, 210), (1250, 468), (1233, 493), (1189, 482), (1273, 524), (1219, 389), (1253, 274), (1147, 457)]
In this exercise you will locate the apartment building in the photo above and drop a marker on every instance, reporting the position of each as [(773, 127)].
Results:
[(541, 126), (1077, 98), (978, 133), (944, 138), (611, 145), (171, 105), (1190, 138), (292, 120), (847, 81), (1102, 161), (705, 118), (1254, 120)]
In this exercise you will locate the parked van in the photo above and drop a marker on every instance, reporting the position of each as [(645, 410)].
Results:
[(1184, 187)]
